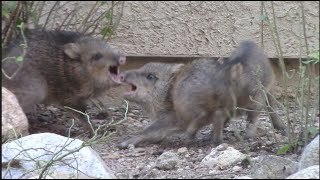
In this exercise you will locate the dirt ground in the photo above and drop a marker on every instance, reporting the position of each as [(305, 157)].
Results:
[(139, 162)]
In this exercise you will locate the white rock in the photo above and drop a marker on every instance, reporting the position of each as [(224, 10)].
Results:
[(182, 151), (39, 149), (311, 172), (310, 154), (13, 120), (224, 158), (222, 147), (272, 167), (214, 171), (167, 160), (244, 177), (237, 168)]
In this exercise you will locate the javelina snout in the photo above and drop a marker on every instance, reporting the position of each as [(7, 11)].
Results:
[(98, 58), (148, 83)]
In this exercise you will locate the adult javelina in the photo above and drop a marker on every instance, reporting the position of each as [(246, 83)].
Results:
[(60, 67), (187, 97)]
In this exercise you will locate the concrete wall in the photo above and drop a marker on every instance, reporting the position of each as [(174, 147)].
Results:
[(211, 28)]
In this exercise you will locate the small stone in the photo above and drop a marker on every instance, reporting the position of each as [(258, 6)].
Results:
[(140, 150), (135, 111), (179, 170), (237, 168), (114, 155), (244, 177), (131, 147), (182, 151), (167, 161), (222, 147), (225, 158), (214, 172), (269, 143)]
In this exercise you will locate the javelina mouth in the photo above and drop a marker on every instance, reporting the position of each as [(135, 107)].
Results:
[(132, 89), (114, 71)]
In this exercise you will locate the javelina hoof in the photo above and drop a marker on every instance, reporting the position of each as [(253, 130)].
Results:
[(217, 142), (102, 114), (125, 143), (250, 134)]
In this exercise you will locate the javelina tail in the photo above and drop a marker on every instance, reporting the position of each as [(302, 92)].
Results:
[(240, 55)]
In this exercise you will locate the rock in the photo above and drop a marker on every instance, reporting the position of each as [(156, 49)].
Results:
[(182, 151), (214, 171), (38, 149), (167, 161), (114, 155), (310, 155), (244, 177), (272, 167), (236, 168), (13, 120), (225, 157), (311, 172), (131, 147)]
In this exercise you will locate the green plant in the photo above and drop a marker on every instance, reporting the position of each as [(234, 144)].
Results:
[(306, 103)]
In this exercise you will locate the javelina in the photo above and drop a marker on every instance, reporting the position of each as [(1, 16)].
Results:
[(187, 97), (60, 67)]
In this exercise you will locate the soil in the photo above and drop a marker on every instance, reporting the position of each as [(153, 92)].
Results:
[(140, 162)]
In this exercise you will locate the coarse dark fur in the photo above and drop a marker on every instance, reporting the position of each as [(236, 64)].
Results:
[(60, 67)]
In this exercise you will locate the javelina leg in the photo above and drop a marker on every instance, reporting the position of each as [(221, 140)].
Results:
[(276, 121), (252, 121), (195, 124), (102, 113), (154, 133), (31, 93), (80, 117), (218, 120)]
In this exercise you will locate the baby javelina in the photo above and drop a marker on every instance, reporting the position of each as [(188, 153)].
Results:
[(184, 98), (62, 68)]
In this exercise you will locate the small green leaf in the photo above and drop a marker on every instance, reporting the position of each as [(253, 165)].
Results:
[(315, 55), (300, 143), (19, 58), (109, 15), (284, 149), (313, 130), (19, 23), (5, 13), (107, 30), (307, 62), (263, 17), (103, 2)]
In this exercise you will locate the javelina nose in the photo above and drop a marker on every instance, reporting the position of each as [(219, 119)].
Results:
[(122, 60), (122, 77)]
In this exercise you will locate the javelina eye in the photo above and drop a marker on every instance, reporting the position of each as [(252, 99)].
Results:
[(151, 77), (97, 56)]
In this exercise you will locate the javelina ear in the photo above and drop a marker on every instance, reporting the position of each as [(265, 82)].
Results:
[(175, 68), (72, 50)]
